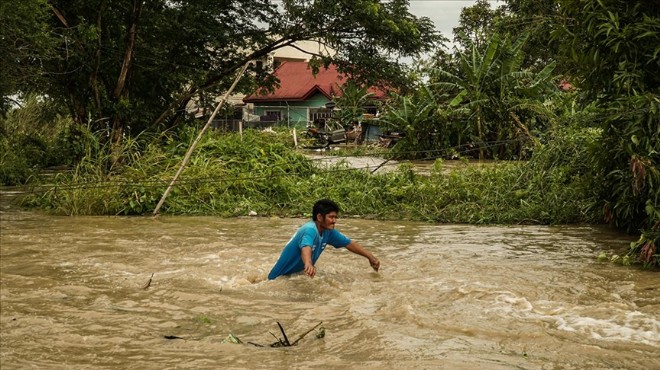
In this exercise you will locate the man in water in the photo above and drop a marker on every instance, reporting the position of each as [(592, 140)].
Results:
[(305, 247)]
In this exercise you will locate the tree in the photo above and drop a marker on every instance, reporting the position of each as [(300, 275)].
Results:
[(25, 42), (614, 47), (537, 18), (426, 133), (476, 23), (351, 103), (129, 65), (497, 99)]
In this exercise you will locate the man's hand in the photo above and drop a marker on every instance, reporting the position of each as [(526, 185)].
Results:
[(310, 270), (306, 256), (358, 249), (375, 263)]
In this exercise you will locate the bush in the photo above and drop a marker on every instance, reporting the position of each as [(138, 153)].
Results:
[(230, 175), (36, 136)]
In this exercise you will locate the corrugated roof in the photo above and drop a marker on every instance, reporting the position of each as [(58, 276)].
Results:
[(298, 83)]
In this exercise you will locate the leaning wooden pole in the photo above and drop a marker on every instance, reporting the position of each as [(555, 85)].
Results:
[(186, 158)]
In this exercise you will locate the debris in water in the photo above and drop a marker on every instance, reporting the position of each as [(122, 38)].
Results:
[(231, 338), (281, 342), (148, 284)]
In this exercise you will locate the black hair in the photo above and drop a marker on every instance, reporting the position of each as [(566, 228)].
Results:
[(323, 207)]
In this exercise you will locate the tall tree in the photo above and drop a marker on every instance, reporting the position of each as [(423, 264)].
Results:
[(128, 65), (25, 42), (476, 23), (538, 19), (614, 47), (495, 96)]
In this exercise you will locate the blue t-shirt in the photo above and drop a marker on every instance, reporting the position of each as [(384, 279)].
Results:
[(306, 236)]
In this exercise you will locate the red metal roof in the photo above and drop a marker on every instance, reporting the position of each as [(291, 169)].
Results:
[(298, 83)]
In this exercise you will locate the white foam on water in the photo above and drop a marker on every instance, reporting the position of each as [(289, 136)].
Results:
[(632, 327), (618, 324)]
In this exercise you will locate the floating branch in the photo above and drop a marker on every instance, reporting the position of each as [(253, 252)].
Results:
[(280, 342), (307, 332), (148, 284), (286, 340)]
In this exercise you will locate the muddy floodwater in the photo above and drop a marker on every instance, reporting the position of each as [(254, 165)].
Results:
[(73, 296)]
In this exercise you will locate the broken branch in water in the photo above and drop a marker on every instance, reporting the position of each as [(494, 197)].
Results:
[(307, 332), (148, 284), (286, 340), (282, 342), (279, 342)]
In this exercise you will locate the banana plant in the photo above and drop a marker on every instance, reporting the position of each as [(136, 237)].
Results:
[(491, 93), (351, 103)]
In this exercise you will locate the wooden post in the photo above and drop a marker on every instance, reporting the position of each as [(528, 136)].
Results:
[(186, 158)]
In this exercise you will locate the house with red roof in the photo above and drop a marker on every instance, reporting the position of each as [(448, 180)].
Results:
[(301, 96)]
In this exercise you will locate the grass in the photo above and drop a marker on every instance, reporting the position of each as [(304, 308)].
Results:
[(260, 172)]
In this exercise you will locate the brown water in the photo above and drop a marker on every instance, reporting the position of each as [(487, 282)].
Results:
[(380, 165), (447, 296)]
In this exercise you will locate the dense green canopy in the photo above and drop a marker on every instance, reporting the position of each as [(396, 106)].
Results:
[(135, 64)]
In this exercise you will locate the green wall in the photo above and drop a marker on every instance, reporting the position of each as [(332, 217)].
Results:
[(292, 113)]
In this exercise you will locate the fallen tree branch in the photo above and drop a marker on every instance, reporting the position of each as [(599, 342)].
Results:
[(308, 331), (148, 284), (286, 340), (280, 342)]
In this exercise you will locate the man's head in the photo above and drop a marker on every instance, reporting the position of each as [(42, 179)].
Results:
[(323, 207)]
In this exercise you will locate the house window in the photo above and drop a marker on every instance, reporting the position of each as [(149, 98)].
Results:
[(274, 115), (320, 114)]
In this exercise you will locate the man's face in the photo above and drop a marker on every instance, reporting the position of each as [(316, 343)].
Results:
[(328, 221)]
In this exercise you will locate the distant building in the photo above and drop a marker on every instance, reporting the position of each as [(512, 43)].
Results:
[(301, 51), (301, 97)]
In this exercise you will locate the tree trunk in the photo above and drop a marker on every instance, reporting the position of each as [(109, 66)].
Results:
[(120, 91), (93, 81), (130, 47)]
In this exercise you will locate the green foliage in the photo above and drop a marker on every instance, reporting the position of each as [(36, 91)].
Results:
[(629, 156), (481, 99), (615, 47), (130, 66), (35, 136), (476, 23), (262, 173), (351, 103), (537, 18), (645, 249), (427, 132), (25, 41)]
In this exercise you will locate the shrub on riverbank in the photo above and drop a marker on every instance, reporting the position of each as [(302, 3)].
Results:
[(261, 172), (33, 137)]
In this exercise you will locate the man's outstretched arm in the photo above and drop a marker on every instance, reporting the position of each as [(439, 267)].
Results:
[(356, 248)]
